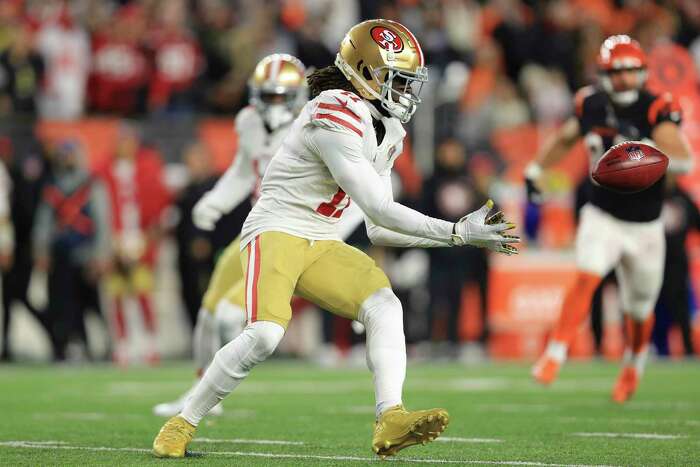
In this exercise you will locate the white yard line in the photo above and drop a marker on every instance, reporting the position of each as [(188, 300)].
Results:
[(456, 439), (515, 408), (248, 441), (60, 445), (630, 435), (82, 416), (634, 421), (138, 388)]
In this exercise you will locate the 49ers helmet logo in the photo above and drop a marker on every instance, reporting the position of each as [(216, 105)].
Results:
[(386, 37)]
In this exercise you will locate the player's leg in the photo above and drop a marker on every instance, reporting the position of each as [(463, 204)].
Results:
[(272, 262), (640, 275), (7, 299), (227, 272), (142, 284), (348, 283), (230, 312), (206, 339), (116, 291), (598, 249)]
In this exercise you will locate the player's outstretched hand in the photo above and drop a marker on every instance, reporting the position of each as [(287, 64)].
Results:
[(206, 213), (478, 230)]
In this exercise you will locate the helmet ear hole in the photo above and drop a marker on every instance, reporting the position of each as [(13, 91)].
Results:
[(366, 73)]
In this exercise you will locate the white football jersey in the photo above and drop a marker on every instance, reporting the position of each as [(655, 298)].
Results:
[(299, 195), (257, 145)]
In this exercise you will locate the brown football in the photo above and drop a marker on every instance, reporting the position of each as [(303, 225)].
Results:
[(630, 167)]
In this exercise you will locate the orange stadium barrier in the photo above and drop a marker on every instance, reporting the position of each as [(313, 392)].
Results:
[(220, 139), (525, 296), (99, 135), (96, 135)]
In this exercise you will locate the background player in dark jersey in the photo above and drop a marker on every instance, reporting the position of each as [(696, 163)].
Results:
[(616, 231)]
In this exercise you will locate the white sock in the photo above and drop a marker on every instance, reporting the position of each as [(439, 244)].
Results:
[(205, 341), (637, 360), (230, 366), (557, 351), (230, 320), (382, 317)]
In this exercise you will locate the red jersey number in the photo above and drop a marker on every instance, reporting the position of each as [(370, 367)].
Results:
[(336, 206)]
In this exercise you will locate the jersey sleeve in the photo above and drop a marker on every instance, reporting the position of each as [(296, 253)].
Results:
[(248, 124), (239, 179), (381, 236), (665, 108), (342, 155), (340, 111)]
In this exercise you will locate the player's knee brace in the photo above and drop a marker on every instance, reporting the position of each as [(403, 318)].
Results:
[(255, 344)]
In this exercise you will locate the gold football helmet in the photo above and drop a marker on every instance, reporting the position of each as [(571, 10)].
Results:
[(383, 61), (278, 88)]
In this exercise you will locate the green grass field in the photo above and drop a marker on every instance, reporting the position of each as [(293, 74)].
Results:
[(293, 414)]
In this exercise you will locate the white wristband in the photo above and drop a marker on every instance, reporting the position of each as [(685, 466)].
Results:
[(680, 166), (533, 171)]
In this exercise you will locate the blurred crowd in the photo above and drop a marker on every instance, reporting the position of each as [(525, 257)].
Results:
[(493, 64), (522, 58)]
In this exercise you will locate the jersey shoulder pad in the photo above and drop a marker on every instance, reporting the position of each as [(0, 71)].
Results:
[(664, 108), (248, 119), (581, 96), (340, 110)]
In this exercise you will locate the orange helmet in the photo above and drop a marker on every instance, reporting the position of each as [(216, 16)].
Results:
[(621, 52), (618, 53)]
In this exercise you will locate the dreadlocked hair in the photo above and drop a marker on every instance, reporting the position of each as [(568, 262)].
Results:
[(327, 78)]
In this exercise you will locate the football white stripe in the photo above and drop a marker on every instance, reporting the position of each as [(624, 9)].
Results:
[(248, 441), (630, 435), (275, 69), (269, 455)]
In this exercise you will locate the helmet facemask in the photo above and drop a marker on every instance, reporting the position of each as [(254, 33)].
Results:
[(276, 104), (628, 96), (278, 89), (622, 54), (399, 89)]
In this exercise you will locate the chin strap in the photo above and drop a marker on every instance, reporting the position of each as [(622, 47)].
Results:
[(625, 97), (376, 113), (277, 115)]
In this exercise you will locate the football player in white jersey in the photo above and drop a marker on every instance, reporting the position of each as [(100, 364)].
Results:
[(341, 148), (278, 92)]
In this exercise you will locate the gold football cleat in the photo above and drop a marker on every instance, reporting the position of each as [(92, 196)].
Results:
[(173, 438), (398, 428)]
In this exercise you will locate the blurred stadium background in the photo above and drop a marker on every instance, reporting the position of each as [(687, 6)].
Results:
[(93, 80)]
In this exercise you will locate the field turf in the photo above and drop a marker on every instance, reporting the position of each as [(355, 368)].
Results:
[(289, 413)]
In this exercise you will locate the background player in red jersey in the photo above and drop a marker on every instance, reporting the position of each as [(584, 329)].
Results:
[(616, 231)]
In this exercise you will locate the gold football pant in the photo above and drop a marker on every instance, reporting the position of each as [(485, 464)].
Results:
[(329, 273), (227, 277)]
